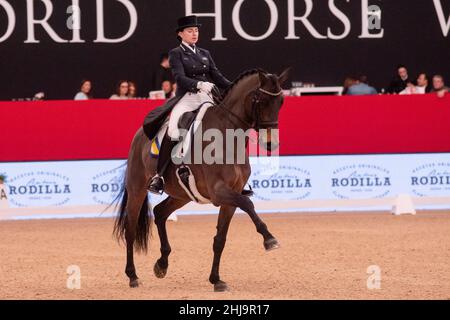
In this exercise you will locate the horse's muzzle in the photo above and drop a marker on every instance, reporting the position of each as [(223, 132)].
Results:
[(268, 139)]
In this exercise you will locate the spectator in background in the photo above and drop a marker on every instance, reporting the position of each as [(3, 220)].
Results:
[(85, 91), (348, 82), (162, 73), (132, 91), (122, 89), (361, 88), (400, 81), (166, 86), (174, 88), (421, 88), (439, 86), (424, 82)]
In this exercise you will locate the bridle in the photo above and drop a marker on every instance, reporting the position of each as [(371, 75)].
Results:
[(256, 105)]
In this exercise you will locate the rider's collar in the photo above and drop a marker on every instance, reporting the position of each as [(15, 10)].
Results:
[(193, 49)]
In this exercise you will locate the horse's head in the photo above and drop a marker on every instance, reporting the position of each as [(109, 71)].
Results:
[(266, 104), (254, 99)]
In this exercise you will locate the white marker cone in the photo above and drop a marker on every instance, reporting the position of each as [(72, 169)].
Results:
[(403, 205), (173, 217)]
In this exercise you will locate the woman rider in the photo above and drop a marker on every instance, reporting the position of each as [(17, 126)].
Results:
[(195, 74)]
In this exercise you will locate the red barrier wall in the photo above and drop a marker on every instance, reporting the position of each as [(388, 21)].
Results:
[(103, 129)]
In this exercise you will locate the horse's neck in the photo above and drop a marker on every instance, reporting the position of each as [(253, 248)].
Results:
[(235, 99)]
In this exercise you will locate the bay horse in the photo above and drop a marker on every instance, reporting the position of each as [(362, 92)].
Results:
[(252, 101)]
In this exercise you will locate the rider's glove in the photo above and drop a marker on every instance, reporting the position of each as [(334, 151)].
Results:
[(205, 86)]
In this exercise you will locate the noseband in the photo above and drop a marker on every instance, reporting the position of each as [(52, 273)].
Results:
[(256, 106)]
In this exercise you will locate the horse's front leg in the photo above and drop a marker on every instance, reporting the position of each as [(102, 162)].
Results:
[(223, 195), (225, 215)]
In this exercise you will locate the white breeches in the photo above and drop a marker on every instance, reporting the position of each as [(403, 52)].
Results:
[(189, 102)]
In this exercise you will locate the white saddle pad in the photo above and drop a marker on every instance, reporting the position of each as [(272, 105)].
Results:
[(181, 148)]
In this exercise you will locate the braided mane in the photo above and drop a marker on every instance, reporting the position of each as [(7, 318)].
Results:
[(218, 98)]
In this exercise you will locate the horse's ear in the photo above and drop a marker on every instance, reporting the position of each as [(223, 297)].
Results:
[(262, 78), (283, 77)]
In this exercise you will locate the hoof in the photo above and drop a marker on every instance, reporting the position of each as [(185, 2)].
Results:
[(159, 272), (221, 286), (135, 283), (271, 244)]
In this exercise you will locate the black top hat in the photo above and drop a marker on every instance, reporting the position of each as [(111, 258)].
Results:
[(186, 22)]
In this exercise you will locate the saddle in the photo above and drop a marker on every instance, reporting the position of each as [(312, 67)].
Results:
[(188, 121)]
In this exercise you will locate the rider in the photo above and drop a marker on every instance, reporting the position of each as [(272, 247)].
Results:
[(196, 75)]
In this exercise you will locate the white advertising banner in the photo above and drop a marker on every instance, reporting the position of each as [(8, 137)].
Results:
[(353, 177), (78, 183)]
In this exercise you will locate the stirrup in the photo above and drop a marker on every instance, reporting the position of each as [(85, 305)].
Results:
[(248, 193), (156, 185)]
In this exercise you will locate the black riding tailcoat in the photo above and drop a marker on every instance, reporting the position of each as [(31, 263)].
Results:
[(188, 69)]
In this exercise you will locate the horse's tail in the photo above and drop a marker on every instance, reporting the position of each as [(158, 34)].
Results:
[(145, 219)]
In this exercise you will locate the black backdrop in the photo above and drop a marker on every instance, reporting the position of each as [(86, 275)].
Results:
[(412, 36)]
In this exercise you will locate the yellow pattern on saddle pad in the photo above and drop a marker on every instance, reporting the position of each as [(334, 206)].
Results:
[(158, 138), (154, 149)]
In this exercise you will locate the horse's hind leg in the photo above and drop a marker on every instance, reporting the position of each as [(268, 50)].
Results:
[(223, 195), (161, 212), (225, 215), (134, 204)]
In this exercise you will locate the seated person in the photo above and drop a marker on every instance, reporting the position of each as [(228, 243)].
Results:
[(400, 81), (85, 91), (439, 86), (122, 89), (421, 88), (132, 90), (361, 88), (167, 88)]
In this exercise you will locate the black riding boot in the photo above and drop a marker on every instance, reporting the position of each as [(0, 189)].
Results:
[(157, 182)]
